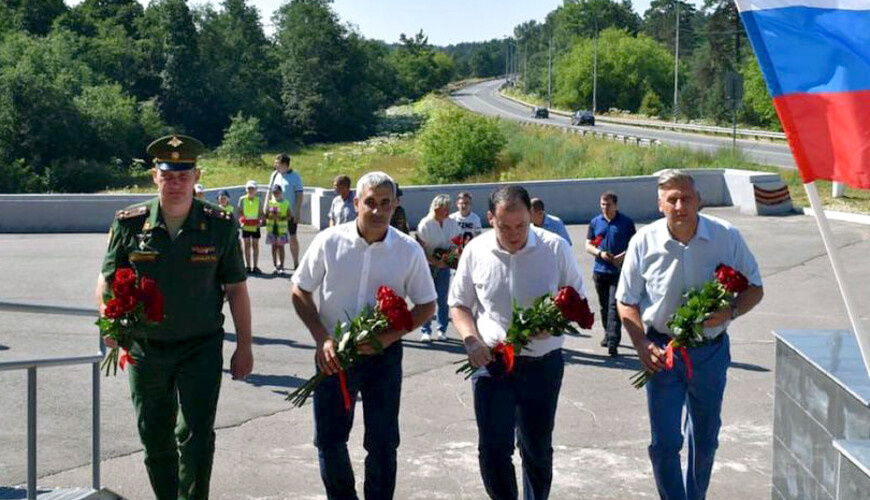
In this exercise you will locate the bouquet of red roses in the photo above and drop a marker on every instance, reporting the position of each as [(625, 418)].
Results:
[(136, 305), (687, 322), (390, 312), (549, 313), (596, 241), (451, 255)]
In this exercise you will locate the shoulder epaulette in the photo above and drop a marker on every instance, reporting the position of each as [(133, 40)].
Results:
[(131, 212), (216, 213)]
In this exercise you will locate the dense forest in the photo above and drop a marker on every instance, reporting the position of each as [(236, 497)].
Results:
[(83, 89)]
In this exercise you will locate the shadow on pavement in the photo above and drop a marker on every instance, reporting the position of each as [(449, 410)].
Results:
[(452, 346), (231, 337), (3, 348), (265, 380)]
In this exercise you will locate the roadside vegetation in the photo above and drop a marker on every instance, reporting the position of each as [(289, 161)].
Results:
[(412, 142)]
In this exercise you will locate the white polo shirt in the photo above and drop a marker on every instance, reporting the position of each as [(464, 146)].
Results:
[(346, 272), (658, 269), (435, 235), (489, 278)]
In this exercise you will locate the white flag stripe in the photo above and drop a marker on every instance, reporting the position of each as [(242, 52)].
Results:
[(747, 5)]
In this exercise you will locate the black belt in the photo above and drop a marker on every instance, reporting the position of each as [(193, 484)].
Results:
[(657, 336), (534, 359)]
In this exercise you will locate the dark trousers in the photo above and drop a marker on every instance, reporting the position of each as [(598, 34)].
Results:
[(605, 285), (179, 447), (379, 380), (523, 402)]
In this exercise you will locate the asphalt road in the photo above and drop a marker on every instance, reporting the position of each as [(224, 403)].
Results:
[(484, 98), (264, 448)]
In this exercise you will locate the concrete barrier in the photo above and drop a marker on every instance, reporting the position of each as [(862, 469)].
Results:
[(573, 200)]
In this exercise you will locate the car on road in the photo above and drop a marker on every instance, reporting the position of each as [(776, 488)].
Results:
[(583, 117), (540, 112)]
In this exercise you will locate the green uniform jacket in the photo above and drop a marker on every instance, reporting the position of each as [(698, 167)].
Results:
[(189, 270)]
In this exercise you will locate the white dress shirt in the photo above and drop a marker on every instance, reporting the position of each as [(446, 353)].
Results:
[(435, 235), (346, 271), (489, 278), (658, 269)]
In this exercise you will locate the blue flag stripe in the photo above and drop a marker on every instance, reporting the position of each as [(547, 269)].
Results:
[(811, 50)]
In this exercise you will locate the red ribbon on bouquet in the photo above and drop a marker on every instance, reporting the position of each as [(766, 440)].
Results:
[(669, 358), (345, 394), (506, 351), (125, 358)]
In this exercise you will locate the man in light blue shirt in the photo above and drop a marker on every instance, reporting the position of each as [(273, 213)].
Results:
[(291, 187), (663, 261), (543, 220)]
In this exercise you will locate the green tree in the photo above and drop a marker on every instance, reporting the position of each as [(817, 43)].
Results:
[(171, 41), (456, 144), (327, 90), (36, 16), (757, 104), (628, 68), (112, 123), (659, 24), (239, 71), (583, 18), (243, 140), (420, 67)]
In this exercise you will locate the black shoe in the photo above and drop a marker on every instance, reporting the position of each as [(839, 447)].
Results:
[(256, 270), (613, 351), (248, 270), (603, 342)]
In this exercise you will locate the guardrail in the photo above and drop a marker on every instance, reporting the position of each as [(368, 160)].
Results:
[(684, 127), (31, 365)]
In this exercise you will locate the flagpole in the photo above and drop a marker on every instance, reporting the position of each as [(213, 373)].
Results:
[(828, 239)]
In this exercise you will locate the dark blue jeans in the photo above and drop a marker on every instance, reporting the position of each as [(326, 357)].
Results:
[(379, 379), (667, 392), (523, 402), (442, 287)]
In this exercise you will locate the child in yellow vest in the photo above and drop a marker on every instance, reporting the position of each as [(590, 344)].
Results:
[(224, 202), (277, 215), (250, 216)]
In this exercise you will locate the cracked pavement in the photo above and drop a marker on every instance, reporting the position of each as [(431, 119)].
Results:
[(264, 448)]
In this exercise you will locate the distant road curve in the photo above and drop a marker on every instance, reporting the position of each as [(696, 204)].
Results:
[(484, 98)]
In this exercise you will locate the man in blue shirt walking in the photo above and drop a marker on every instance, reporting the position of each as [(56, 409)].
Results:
[(607, 239)]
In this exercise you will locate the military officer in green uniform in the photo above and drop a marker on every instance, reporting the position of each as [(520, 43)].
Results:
[(191, 249)]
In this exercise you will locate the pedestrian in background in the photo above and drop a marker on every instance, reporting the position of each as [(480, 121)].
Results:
[(399, 220), (607, 239), (543, 220), (435, 232), (342, 209), (250, 214), (291, 188), (468, 221), (277, 213)]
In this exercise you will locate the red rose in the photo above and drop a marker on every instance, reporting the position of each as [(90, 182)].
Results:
[(121, 289), (731, 279), (458, 240), (152, 298), (597, 240), (388, 300), (125, 275), (400, 319), (154, 310), (128, 302), (114, 309), (573, 307)]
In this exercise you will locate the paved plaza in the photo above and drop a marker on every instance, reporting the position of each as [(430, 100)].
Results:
[(264, 447)]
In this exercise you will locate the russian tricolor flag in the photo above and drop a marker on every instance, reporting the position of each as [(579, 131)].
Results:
[(815, 57)]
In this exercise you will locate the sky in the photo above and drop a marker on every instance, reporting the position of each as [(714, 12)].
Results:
[(444, 21)]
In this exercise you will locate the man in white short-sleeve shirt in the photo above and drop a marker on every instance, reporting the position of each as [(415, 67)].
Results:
[(291, 187), (663, 261), (345, 265), (518, 262)]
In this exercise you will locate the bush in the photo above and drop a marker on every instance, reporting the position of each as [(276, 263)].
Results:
[(81, 176), (17, 177), (651, 105), (455, 144), (243, 140)]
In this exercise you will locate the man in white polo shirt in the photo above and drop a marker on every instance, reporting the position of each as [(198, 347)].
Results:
[(663, 261), (345, 265), (514, 262)]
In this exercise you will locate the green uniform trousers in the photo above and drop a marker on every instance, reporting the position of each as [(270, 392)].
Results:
[(168, 377)]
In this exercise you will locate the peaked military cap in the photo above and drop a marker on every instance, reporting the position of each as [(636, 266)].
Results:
[(175, 152)]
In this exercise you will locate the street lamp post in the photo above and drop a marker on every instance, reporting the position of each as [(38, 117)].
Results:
[(595, 70), (676, 109)]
